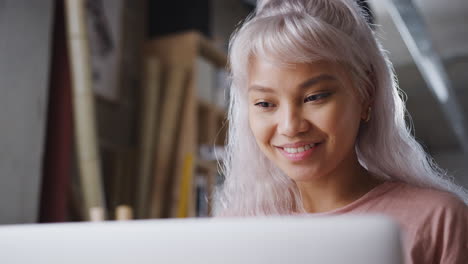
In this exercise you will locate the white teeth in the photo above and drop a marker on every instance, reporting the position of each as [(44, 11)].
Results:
[(300, 149), (291, 150)]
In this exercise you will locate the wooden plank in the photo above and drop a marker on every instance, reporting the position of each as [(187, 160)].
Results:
[(179, 51), (176, 82), (83, 102), (211, 53), (176, 52), (183, 48), (186, 157), (122, 180), (148, 134)]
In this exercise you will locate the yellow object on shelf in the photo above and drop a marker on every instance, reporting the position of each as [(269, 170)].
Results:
[(185, 187)]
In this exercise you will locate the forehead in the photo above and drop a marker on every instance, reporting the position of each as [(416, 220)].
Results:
[(268, 73), (257, 64)]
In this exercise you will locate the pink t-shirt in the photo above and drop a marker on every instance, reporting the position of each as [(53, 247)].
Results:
[(434, 223)]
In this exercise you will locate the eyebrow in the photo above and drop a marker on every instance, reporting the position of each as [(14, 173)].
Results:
[(306, 84)]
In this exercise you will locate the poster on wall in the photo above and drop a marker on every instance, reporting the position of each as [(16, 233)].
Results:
[(104, 21)]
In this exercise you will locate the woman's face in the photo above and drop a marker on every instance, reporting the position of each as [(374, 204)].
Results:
[(304, 118)]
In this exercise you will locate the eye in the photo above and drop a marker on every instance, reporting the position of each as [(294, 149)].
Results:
[(264, 104), (316, 97)]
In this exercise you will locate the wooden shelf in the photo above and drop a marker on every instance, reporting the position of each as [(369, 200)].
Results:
[(185, 122)]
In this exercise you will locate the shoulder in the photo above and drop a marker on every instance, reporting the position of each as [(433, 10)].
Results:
[(441, 211), (426, 199), (443, 208), (435, 223), (421, 210)]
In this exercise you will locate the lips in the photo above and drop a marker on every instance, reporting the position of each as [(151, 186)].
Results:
[(299, 144), (298, 151)]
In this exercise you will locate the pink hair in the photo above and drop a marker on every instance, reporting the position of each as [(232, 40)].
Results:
[(304, 31)]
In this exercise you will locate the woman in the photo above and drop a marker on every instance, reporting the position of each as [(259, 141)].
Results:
[(317, 127)]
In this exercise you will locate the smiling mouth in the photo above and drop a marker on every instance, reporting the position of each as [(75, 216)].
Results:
[(298, 154), (300, 149)]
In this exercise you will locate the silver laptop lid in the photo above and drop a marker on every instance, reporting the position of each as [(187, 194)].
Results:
[(325, 240)]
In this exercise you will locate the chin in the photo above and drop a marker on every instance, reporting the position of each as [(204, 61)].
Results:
[(301, 175)]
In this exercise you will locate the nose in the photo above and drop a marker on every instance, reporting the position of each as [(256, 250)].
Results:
[(292, 122)]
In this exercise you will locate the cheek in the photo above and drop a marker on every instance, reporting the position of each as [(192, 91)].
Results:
[(260, 126), (340, 121), (347, 120)]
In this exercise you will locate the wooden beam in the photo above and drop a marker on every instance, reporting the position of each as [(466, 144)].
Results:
[(83, 104)]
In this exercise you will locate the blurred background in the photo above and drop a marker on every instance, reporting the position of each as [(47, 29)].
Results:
[(115, 109)]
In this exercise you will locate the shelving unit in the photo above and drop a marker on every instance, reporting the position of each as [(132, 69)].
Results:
[(183, 124), (211, 137)]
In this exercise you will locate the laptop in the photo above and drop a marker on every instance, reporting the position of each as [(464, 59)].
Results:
[(262, 240)]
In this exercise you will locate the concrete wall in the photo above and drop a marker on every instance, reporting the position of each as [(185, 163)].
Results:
[(25, 29), (431, 126)]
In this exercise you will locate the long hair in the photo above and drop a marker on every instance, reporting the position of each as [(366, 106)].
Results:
[(306, 31)]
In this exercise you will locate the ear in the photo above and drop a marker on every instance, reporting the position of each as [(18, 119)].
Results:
[(366, 106), (365, 110)]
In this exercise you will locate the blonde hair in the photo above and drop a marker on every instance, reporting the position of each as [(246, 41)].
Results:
[(305, 31)]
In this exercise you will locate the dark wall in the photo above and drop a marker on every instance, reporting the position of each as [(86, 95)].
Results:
[(167, 16)]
